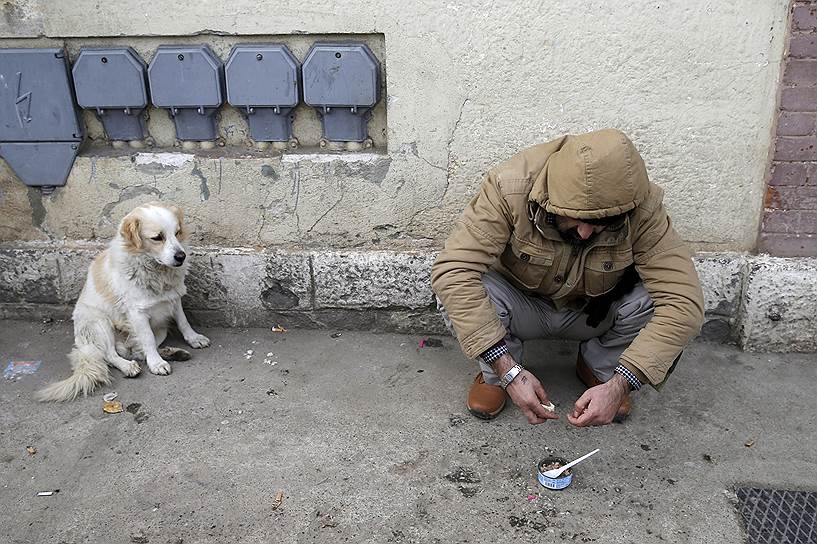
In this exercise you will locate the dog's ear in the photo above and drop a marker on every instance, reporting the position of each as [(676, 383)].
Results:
[(183, 232), (177, 212), (130, 232)]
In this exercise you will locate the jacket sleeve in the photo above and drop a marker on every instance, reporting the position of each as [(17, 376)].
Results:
[(665, 265), (478, 238)]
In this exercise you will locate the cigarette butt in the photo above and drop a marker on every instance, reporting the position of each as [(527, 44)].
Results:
[(279, 499)]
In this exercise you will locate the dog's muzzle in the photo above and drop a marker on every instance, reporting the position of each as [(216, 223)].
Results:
[(179, 257)]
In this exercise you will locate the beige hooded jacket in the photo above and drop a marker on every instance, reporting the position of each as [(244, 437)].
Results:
[(588, 176)]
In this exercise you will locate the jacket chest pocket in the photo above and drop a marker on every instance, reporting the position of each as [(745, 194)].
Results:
[(528, 265), (602, 271)]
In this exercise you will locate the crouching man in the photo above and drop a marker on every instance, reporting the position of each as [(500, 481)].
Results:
[(569, 239)]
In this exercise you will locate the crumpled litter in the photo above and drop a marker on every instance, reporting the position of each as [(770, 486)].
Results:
[(18, 368), (112, 407)]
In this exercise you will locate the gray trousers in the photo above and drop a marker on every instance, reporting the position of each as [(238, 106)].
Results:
[(528, 317)]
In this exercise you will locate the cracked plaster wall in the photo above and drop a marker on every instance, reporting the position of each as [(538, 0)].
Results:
[(468, 84)]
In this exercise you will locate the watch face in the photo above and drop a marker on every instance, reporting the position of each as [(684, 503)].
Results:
[(509, 376)]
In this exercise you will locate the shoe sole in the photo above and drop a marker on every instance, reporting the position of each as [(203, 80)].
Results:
[(485, 415)]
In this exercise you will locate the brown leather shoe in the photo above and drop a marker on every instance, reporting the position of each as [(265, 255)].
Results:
[(484, 400), (589, 380)]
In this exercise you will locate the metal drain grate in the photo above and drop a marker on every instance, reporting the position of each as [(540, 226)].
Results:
[(777, 516)]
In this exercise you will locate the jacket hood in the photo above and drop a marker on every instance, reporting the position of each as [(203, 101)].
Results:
[(591, 176)]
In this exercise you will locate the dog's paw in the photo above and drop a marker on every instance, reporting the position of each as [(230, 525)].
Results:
[(131, 369), (161, 369), (198, 341)]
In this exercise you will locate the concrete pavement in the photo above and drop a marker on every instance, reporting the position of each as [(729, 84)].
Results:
[(369, 439)]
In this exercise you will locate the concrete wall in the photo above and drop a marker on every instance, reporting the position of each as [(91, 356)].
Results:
[(346, 239), (467, 85)]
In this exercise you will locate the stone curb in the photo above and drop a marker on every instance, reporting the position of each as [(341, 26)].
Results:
[(761, 303)]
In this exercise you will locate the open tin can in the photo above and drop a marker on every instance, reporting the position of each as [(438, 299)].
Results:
[(562, 481)]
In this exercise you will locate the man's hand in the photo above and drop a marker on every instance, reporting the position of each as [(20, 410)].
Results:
[(526, 392), (598, 405)]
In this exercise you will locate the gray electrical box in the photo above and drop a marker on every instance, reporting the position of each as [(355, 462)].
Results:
[(188, 80), (262, 81), (342, 82), (40, 128), (113, 83)]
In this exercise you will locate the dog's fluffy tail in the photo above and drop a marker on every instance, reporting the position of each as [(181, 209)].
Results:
[(90, 371)]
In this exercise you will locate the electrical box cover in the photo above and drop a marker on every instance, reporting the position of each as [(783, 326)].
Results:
[(110, 78), (40, 127), (341, 74), (262, 75), (40, 164), (36, 97), (262, 81), (186, 76), (342, 82), (189, 81), (113, 82)]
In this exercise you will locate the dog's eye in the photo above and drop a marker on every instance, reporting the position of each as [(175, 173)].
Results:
[(178, 232), (158, 238)]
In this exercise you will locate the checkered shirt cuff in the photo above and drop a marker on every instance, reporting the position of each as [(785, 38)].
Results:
[(494, 352), (631, 378)]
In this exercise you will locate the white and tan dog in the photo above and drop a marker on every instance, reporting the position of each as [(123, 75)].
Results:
[(132, 291)]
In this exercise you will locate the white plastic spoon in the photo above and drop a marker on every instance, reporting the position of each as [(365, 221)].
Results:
[(554, 473)]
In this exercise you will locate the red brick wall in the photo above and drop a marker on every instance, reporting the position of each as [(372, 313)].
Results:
[(789, 226)]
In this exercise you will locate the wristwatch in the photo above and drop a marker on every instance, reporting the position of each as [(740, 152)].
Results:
[(505, 380)]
